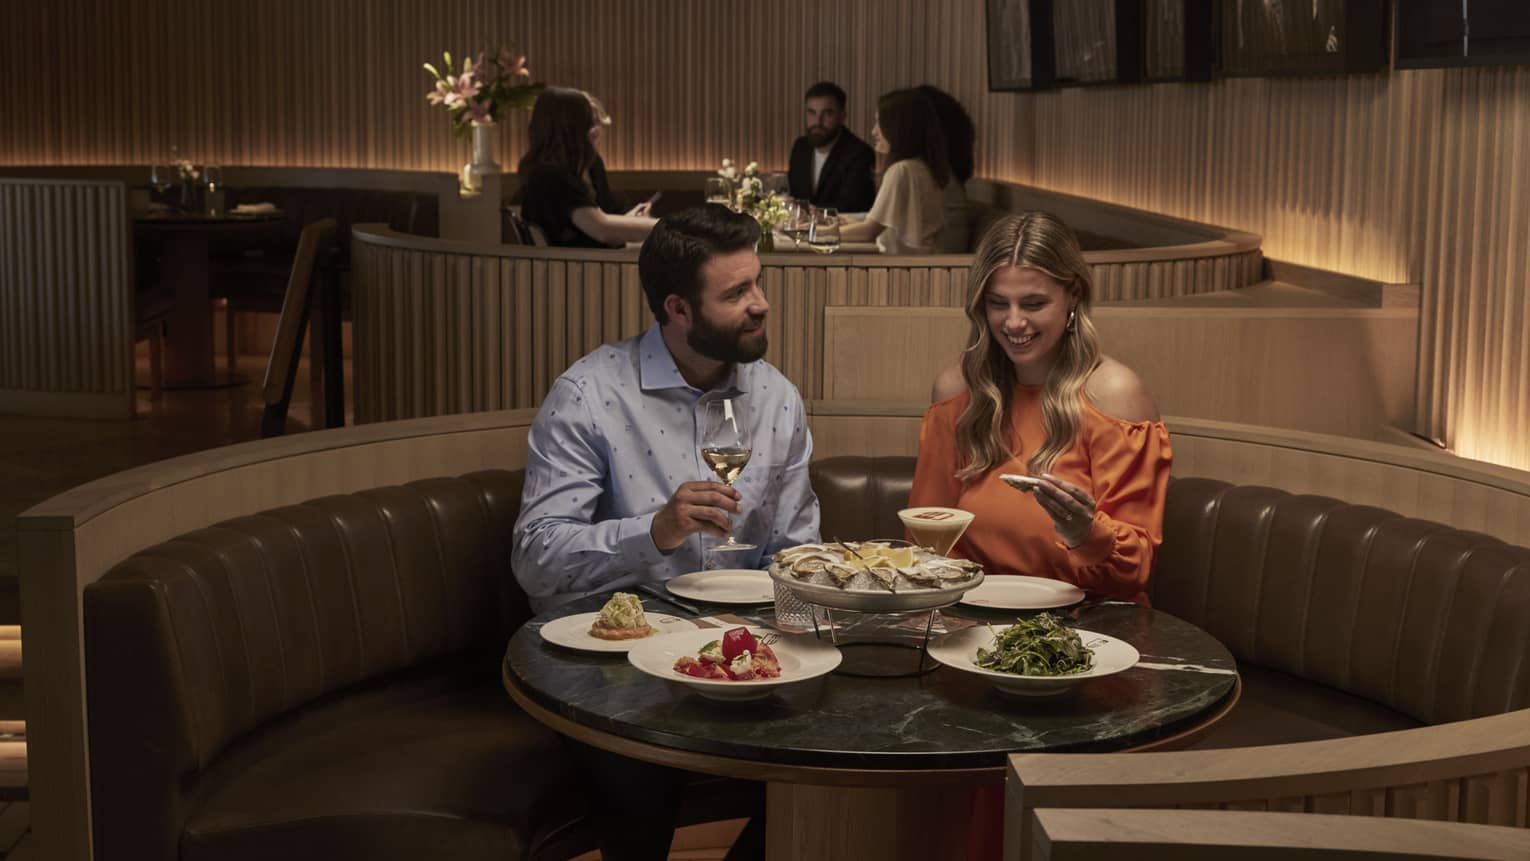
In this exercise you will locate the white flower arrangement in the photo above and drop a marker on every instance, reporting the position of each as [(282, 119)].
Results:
[(750, 196)]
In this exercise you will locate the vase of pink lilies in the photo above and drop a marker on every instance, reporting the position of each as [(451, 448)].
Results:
[(476, 97)]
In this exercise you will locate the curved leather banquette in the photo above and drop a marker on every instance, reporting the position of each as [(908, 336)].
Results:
[(321, 680)]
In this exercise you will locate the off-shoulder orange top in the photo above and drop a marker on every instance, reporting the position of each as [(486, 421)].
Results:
[(1123, 465)]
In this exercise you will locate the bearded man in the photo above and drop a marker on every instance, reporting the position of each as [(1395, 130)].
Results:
[(830, 166), (616, 489)]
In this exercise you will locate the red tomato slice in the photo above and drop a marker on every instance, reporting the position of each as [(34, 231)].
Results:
[(738, 641)]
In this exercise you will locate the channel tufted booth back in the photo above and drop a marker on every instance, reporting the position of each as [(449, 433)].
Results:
[(1427, 620), (196, 643), (225, 628), (1431, 621)]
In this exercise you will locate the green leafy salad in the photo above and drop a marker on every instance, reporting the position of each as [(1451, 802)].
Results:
[(1039, 646)]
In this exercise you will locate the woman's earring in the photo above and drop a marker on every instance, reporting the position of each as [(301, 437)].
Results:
[(1072, 321)]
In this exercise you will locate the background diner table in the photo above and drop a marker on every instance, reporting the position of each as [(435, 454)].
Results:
[(184, 239), (876, 767)]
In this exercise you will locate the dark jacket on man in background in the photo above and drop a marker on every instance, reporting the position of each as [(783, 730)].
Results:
[(846, 182)]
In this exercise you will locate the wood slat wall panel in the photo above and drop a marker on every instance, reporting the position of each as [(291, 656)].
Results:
[(277, 82), (66, 292), (1417, 176), (579, 300)]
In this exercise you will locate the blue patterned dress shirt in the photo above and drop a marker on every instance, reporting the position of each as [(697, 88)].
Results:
[(618, 432)]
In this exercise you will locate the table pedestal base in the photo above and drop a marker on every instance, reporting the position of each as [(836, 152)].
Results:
[(921, 823)]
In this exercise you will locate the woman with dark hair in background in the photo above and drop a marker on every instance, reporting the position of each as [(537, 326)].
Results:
[(961, 139), (563, 179), (909, 208)]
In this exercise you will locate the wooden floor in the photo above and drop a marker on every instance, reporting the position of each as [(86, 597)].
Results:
[(14, 843)]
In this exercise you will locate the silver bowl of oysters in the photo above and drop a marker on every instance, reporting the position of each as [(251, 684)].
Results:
[(874, 576)]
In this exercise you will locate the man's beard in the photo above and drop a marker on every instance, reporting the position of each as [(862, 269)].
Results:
[(821, 137), (723, 345)]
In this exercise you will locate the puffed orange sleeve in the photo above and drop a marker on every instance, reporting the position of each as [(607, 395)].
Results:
[(1129, 466), (935, 481)]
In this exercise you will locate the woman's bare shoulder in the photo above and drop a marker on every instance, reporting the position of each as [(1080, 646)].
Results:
[(1118, 392), (948, 384)]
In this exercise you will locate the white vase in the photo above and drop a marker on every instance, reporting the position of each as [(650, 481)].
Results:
[(483, 163)]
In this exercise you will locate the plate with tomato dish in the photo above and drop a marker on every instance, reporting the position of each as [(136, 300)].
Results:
[(734, 664)]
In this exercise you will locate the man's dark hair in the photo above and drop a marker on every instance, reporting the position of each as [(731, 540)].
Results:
[(681, 243), (826, 90), (956, 123)]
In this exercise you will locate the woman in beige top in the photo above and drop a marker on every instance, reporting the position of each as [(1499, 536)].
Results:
[(910, 205)]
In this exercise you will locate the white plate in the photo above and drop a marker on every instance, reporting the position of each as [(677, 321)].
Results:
[(1015, 592), (802, 657), (958, 650), (573, 632), (727, 586)]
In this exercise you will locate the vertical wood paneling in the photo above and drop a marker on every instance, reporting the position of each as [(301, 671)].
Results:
[(339, 84), (1417, 176), (66, 289), (445, 342)]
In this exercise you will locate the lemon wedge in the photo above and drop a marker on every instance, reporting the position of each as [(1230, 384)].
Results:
[(896, 557)]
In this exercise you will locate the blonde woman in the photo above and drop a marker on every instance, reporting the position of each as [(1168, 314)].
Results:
[(1034, 396)]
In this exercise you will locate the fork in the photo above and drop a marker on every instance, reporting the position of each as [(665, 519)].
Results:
[(769, 639)]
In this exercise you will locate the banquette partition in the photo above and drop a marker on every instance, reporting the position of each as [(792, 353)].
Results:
[(71, 540), (442, 326), (66, 298)]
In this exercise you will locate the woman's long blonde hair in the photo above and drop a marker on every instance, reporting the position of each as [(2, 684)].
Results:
[(1039, 241)]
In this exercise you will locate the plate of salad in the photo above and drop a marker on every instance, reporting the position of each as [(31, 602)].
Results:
[(742, 663), (1036, 656)]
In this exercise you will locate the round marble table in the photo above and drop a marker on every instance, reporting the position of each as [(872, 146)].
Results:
[(900, 755)]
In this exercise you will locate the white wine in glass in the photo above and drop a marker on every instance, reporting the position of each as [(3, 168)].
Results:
[(823, 235), (725, 448)]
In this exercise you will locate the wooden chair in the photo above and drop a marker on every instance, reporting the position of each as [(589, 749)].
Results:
[(1213, 835), (1471, 771), (151, 314), (287, 347)]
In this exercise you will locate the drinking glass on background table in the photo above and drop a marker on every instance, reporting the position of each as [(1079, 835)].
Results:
[(795, 224), (212, 177), (823, 236), (717, 191), (725, 448), (161, 177)]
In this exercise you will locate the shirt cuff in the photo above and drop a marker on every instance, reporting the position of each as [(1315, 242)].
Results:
[(1097, 547), (635, 543)]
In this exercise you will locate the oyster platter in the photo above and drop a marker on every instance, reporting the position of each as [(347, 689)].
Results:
[(874, 576)]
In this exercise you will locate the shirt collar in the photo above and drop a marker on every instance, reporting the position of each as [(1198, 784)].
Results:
[(657, 369)]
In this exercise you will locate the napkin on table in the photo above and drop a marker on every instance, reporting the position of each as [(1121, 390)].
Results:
[(254, 209)]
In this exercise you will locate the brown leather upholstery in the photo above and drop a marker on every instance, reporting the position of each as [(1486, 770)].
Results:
[(318, 676), (859, 497), (1430, 621), (1345, 619), (321, 680)]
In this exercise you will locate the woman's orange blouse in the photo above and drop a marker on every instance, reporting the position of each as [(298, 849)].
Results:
[(1123, 465)]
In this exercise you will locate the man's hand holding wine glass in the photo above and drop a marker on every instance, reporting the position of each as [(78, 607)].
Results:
[(697, 506)]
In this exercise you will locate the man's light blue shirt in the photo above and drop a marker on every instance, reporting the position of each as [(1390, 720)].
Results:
[(617, 434)]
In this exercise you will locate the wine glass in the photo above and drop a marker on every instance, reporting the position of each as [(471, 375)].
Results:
[(161, 177), (725, 448), (823, 235), (212, 177), (717, 191), (794, 225)]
